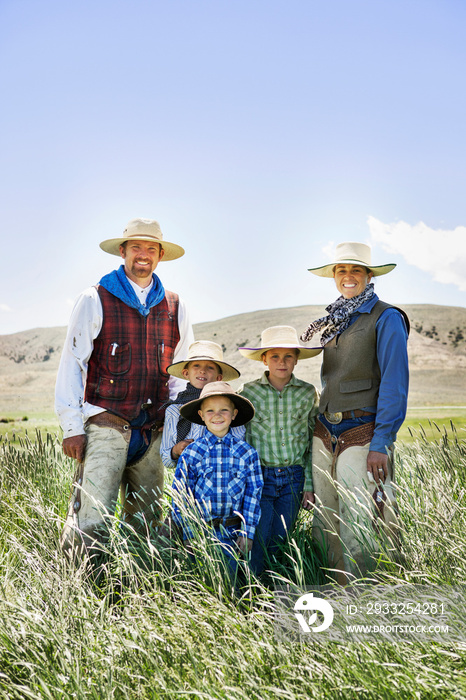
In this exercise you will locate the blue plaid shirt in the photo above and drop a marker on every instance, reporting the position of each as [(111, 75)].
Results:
[(225, 478)]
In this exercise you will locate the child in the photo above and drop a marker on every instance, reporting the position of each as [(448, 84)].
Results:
[(281, 431), (203, 365), (221, 472)]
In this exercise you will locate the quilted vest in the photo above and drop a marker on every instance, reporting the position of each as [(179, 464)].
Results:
[(350, 370), (128, 365)]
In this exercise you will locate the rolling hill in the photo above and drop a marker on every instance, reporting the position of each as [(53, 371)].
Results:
[(437, 351)]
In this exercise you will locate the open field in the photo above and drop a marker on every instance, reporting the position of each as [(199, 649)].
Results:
[(432, 422), (149, 624), (436, 347), (418, 420), (14, 426)]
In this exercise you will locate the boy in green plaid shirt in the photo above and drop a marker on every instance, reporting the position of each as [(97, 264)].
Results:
[(281, 431)]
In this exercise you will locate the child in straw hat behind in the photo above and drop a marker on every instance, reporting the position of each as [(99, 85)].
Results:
[(203, 364)]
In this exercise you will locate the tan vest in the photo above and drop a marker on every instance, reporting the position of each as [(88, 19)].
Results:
[(350, 370)]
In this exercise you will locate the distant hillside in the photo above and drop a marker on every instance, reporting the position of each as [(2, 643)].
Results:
[(437, 350)]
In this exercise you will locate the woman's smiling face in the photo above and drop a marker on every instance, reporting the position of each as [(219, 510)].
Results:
[(351, 280)]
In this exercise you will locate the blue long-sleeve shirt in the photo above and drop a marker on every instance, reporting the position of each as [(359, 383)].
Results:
[(392, 356), (225, 478)]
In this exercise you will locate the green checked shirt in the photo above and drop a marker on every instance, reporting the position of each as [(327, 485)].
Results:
[(283, 425)]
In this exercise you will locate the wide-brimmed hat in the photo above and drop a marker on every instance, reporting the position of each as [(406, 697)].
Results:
[(143, 230), (279, 337), (244, 406), (205, 350), (352, 254)]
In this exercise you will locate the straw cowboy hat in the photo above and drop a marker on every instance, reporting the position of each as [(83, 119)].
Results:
[(244, 406), (204, 350), (279, 337), (352, 254), (143, 230)]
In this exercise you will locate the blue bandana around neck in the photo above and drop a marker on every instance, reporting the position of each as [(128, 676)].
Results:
[(117, 283)]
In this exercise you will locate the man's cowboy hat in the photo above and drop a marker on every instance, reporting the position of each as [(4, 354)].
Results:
[(204, 350), (279, 337), (143, 230), (244, 406), (352, 254)]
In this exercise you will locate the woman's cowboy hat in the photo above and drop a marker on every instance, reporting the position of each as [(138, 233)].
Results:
[(279, 337), (143, 230), (352, 254), (244, 406), (204, 350)]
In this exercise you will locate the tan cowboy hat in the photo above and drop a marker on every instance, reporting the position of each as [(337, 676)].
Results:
[(204, 350), (244, 406), (143, 230), (352, 254), (279, 337)]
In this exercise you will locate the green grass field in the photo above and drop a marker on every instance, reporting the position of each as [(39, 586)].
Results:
[(149, 624), (17, 425), (432, 422), (428, 421)]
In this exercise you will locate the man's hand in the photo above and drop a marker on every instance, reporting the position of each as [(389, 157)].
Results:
[(75, 447), (308, 500), (244, 544), (377, 466), (179, 447)]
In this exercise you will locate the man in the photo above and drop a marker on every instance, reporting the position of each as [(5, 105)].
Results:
[(362, 406), (112, 384)]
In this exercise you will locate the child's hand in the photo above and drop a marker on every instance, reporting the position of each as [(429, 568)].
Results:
[(179, 447), (308, 500), (244, 544)]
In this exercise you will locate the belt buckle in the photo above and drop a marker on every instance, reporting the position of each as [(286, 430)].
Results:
[(334, 418)]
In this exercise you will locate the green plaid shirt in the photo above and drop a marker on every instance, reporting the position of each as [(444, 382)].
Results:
[(282, 428)]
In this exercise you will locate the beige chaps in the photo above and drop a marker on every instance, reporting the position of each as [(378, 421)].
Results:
[(102, 476), (352, 515)]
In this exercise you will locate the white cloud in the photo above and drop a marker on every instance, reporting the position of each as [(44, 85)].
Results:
[(329, 250), (440, 253), (5, 307)]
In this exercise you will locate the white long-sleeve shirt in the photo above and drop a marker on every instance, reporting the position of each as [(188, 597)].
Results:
[(84, 326)]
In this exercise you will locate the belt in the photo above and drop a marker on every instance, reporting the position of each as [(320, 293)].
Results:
[(226, 522), (338, 416), (105, 419)]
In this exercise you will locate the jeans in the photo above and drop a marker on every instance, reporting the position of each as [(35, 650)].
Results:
[(280, 503), (140, 439)]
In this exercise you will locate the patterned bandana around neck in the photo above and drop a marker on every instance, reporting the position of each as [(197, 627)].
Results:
[(117, 283), (339, 315), (189, 394)]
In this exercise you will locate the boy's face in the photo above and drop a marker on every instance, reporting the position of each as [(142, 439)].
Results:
[(281, 363), (218, 412), (201, 372)]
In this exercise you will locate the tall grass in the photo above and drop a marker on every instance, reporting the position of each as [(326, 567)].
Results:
[(153, 624)]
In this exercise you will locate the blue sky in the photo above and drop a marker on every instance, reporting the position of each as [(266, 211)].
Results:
[(258, 133)]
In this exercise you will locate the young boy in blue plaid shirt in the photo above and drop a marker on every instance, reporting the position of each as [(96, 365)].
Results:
[(221, 472), (281, 431)]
